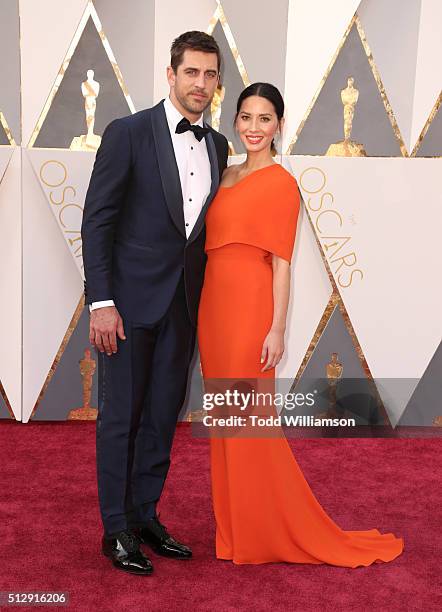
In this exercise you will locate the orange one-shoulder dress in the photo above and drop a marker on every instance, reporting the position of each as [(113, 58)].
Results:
[(265, 511)]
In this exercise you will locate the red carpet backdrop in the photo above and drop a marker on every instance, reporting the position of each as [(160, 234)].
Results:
[(336, 470)]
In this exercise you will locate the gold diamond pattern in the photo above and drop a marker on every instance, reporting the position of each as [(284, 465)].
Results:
[(89, 12), (354, 21), (7, 130), (219, 15)]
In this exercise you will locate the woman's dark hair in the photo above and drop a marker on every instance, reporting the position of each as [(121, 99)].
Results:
[(195, 40), (267, 91)]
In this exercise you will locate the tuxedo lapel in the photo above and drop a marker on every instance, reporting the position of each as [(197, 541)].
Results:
[(214, 171), (170, 177)]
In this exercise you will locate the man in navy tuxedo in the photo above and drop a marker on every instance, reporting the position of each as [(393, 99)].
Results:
[(143, 233)]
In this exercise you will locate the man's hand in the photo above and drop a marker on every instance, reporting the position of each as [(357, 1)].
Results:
[(105, 324)]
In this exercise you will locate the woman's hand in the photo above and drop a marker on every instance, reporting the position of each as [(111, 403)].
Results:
[(272, 349)]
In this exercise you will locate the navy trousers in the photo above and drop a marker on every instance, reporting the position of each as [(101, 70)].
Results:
[(141, 389)]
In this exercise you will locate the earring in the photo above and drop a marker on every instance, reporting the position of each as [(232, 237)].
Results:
[(275, 140)]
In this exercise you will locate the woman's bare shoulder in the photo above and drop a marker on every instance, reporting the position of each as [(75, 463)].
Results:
[(230, 173), (231, 170)]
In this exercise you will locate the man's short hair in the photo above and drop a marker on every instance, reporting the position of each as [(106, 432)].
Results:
[(196, 41)]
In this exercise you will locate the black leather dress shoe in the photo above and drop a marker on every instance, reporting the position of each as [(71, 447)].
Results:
[(155, 535), (124, 550)]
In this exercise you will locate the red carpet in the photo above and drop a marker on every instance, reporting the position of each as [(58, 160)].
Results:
[(51, 527)]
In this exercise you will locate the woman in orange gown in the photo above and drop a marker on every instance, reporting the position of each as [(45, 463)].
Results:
[(264, 508)]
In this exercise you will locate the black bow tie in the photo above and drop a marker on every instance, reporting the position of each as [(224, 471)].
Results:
[(184, 125)]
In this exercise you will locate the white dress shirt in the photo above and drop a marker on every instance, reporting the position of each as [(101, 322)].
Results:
[(194, 169)]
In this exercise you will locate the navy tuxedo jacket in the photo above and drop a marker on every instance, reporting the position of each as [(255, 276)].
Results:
[(134, 240)]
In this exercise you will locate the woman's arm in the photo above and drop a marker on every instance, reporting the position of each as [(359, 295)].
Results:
[(273, 347)]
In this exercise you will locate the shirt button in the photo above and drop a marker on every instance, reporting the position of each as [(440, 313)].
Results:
[(190, 199), (187, 225), (191, 174), (191, 148)]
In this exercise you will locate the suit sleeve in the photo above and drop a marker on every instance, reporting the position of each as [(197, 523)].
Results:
[(104, 201)]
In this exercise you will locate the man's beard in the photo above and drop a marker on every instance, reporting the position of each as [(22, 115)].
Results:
[(192, 106)]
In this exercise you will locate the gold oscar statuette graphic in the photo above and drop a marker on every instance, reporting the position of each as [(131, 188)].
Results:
[(87, 370), (215, 111), (196, 415), (437, 421), (215, 107), (347, 147), (334, 371), (90, 141)]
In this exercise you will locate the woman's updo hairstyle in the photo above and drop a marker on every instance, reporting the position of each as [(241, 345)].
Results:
[(270, 93)]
